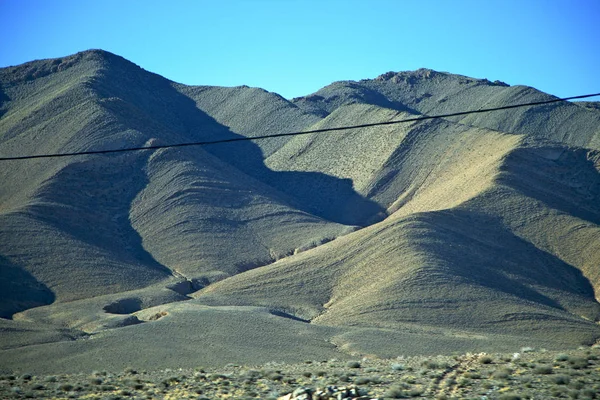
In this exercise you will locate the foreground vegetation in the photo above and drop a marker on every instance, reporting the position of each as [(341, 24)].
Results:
[(527, 374)]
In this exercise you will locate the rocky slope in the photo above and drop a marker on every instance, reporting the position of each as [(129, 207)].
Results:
[(472, 233)]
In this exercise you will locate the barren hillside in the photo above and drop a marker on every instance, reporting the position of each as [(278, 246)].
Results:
[(471, 233)]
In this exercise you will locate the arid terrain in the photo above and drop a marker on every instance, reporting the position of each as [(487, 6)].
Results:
[(526, 374), (434, 240)]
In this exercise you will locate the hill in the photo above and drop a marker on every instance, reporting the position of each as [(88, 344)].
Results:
[(472, 233)]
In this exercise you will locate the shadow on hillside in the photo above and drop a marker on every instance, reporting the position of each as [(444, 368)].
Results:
[(345, 93), (19, 290), (161, 107), (3, 99), (563, 179), (91, 200), (482, 251)]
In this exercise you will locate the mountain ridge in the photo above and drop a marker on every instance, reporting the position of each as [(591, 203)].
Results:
[(484, 226)]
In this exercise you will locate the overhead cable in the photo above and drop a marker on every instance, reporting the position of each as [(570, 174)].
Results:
[(340, 128)]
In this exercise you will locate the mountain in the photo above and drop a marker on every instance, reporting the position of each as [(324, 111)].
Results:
[(471, 233)]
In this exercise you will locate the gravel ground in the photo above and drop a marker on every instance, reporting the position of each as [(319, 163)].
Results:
[(526, 374)]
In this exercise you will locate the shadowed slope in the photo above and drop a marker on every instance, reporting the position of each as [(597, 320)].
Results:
[(20, 290), (74, 234), (550, 198)]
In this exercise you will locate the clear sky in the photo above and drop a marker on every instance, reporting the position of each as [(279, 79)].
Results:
[(295, 47)]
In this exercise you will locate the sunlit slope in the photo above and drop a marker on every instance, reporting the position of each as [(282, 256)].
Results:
[(429, 92), (438, 260), (430, 164)]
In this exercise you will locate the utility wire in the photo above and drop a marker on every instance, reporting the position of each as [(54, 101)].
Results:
[(341, 128)]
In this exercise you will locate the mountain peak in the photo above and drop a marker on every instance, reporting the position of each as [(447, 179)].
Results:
[(421, 73), (89, 60)]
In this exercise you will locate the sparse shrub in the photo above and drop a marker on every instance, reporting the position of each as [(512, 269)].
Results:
[(38, 386), (574, 394), (472, 375), (543, 370), (558, 391), (415, 392), (307, 374), (430, 364), (397, 367), (562, 357), (561, 379), (588, 394), (344, 378), (66, 387), (578, 363), (576, 385), (363, 380), (96, 381), (353, 364), (464, 382), (527, 349), (321, 373), (130, 371), (290, 380), (50, 378), (394, 393), (503, 373), (509, 396), (486, 360), (275, 376), (251, 375)]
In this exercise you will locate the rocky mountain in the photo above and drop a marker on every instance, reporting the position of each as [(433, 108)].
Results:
[(471, 233)]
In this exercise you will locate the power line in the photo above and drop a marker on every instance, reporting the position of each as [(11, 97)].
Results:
[(341, 128)]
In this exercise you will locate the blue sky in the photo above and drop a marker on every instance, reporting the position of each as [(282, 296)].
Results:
[(295, 47)]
